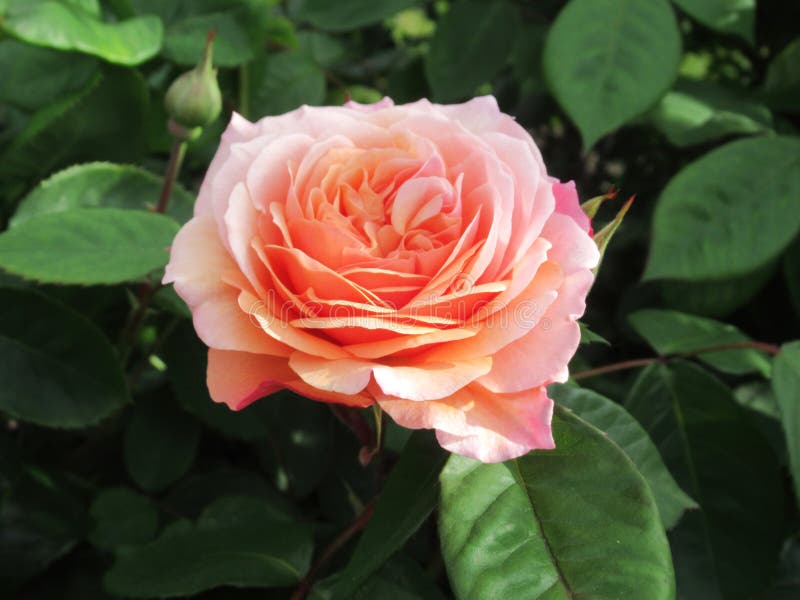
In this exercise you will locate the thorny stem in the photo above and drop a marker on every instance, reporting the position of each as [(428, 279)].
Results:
[(360, 522), (643, 362), (173, 168)]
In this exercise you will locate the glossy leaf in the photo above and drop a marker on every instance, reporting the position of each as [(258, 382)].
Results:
[(736, 17), (160, 443), (727, 549), (694, 112), (613, 420), (282, 82), (407, 499), (64, 25), (786, 384), (101, 185), (58, 369), (782, 85), (549, 524), (608, 61), (88, 245), (121, 517), (185, 39), (728, 213), (672, 332), (348, 14), (238, 541), (473, 41), (34, 77)]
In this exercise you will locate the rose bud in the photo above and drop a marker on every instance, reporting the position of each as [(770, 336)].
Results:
[(194, 99)]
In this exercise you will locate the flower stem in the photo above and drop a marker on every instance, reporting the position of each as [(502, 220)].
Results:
[(327, 554), (643, 362), (173, 168)]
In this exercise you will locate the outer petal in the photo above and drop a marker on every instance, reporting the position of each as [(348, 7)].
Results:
[(478, 423), (430, 381), (197, 264), (567, 203)]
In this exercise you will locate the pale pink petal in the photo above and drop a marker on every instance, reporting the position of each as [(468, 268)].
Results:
[(481, 424), (344, 376), (572, 249), (567, 203)]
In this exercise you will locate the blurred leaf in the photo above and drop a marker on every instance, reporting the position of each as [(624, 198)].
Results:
[(728, 213), (726, 549), (672, 332), (737, 17), (791, 273), (346, 15), (41, 519), (551, 523), (323, 49), (786, 585), (786, 384), (473, 41), (121, 517), (282, 82), (759, 397), (715, 298), (101, 185), (85, 126), (407, 499), (608, 61), (185, 39), (613, 420), (782, 85), (160, 443), (65, 25), (398, 579), (694, 112), (238, 541), (193, 494), (88, 245), (167, 299), (186, 358), (58, 369), (34, 77)]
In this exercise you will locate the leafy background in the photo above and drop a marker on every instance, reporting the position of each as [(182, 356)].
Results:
[(120, 478)]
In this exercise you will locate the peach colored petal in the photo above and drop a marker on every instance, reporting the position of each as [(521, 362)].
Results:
[(239, 378), (383, 348), (548, 347), (479, 423), (429, 380), (240, 222), (344, 376)]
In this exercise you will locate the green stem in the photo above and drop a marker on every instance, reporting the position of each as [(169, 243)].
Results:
[(173, 168), (643, 362), (244, 91)]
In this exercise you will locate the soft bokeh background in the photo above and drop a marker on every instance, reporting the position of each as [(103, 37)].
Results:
[(616, 93)]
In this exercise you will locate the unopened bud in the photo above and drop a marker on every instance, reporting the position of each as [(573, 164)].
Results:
[(194, 100)]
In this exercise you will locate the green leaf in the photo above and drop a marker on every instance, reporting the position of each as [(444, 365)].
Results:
[(408, 498), (610, 418), (346, 15), (121, 517), (608, 61), (786, 384), (590, 337), (88, 245), (695, 112), (549, 524), (238, 541), (85, 126), (34, 77), (473, 41), (58, 369), (160, 443), (42, 519), (791, 273), (728, 213), (185, 357), (710, 444), (185, 40), (63, 25), (103, 185), (786, 585), (284, 81), (672, 332), (726, 16), (782, 85)]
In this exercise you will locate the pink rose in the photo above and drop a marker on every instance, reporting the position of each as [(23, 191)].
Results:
[(417, 256)]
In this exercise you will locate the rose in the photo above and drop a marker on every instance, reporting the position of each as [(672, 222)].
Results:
[(417, 256)]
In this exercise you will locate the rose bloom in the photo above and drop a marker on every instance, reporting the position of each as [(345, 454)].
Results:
[(417, 256)]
